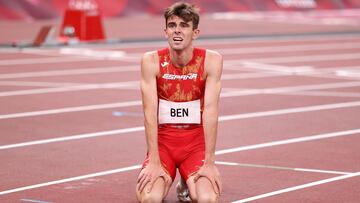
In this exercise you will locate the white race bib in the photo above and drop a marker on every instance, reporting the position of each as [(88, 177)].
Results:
[(179, 112)]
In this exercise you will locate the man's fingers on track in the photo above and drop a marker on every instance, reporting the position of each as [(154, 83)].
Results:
[(215, 186), (151, 182), (143, 183), (196, 177), (141, 175), (219, 186), (165, 177)]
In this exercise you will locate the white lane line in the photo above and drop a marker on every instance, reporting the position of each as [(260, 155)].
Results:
[(281, 71), (82, 71), (299, 187), (278, 68), (138, 166), (289, 48), (285, 70), (245, 92), (235, 76), (128, 84), (221, 118), (301, 58), (290, 141), (278, 90), (247, 50), (73, 137), (101, 54), (117, 55), (281, 168), (325, 94), (30, 61), (131, 84), (348, 73), (34, 200), (37, 84), (119, 170), (215, 42), (244, 41), (290, 110), (81, 87), (71, 109)]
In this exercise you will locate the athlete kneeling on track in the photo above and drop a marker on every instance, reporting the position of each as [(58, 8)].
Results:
[(180, 88)]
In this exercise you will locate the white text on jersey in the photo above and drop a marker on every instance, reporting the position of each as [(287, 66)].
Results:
[(190, 76)]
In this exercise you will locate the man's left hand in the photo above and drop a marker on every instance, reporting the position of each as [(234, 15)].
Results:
[(210, 172)]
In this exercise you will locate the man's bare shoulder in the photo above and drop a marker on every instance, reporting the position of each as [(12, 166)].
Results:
[(213, 62), (150, 56), (149, 64), (213, 55)]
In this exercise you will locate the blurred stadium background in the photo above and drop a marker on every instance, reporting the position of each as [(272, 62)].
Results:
[(123, 19), (302, 69)]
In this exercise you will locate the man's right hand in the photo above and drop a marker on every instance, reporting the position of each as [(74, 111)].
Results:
[(150, 174)]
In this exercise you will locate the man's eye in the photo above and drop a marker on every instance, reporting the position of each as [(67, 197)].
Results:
[(171, 25)]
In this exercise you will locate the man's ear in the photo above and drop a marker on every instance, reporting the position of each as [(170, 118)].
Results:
[(196, 33), (166, 35)]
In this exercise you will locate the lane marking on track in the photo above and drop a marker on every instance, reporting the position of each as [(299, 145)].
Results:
[(130, 168), (301, 58), (74, 137), (253, 40), (280, 168), (88, 54), (128, 84), (245, 92), (134, 57), (119, 170), (348, 73), (290, 110), (289, 141), (82, 71), (279, 90), (102, 54), (299, 187), (135, 85), (37, 84), (325, 94), (60, 59), (272, 71), (221, 118), (34, 200), (72, 109), (215, 42), (278, 68), (289, 48)]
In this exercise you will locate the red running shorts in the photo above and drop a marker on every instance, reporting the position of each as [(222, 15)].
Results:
[(182, 148)]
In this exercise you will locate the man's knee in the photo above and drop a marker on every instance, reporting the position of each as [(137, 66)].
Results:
[(207, 198), (157, 193), (151, 197)]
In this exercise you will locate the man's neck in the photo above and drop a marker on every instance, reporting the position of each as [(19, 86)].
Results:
[(182, 57)]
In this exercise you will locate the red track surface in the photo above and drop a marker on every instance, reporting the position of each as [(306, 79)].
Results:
[(302, 88)]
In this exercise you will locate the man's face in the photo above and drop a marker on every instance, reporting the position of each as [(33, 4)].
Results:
[(180, 33)]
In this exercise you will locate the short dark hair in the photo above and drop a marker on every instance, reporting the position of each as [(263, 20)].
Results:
[(187, 12)]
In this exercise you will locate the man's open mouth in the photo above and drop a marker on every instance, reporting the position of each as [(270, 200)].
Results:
[(178, 39)]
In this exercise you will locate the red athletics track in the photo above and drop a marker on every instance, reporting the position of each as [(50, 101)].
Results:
[(71, 122)]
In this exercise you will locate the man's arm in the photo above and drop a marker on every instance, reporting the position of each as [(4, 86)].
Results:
[(213, 70), (150, 103), (149, 70)]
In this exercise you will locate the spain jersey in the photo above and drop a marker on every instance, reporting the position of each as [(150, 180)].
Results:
[(181, 89)]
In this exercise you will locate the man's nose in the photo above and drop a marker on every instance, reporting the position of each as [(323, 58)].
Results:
[(177, 29)]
